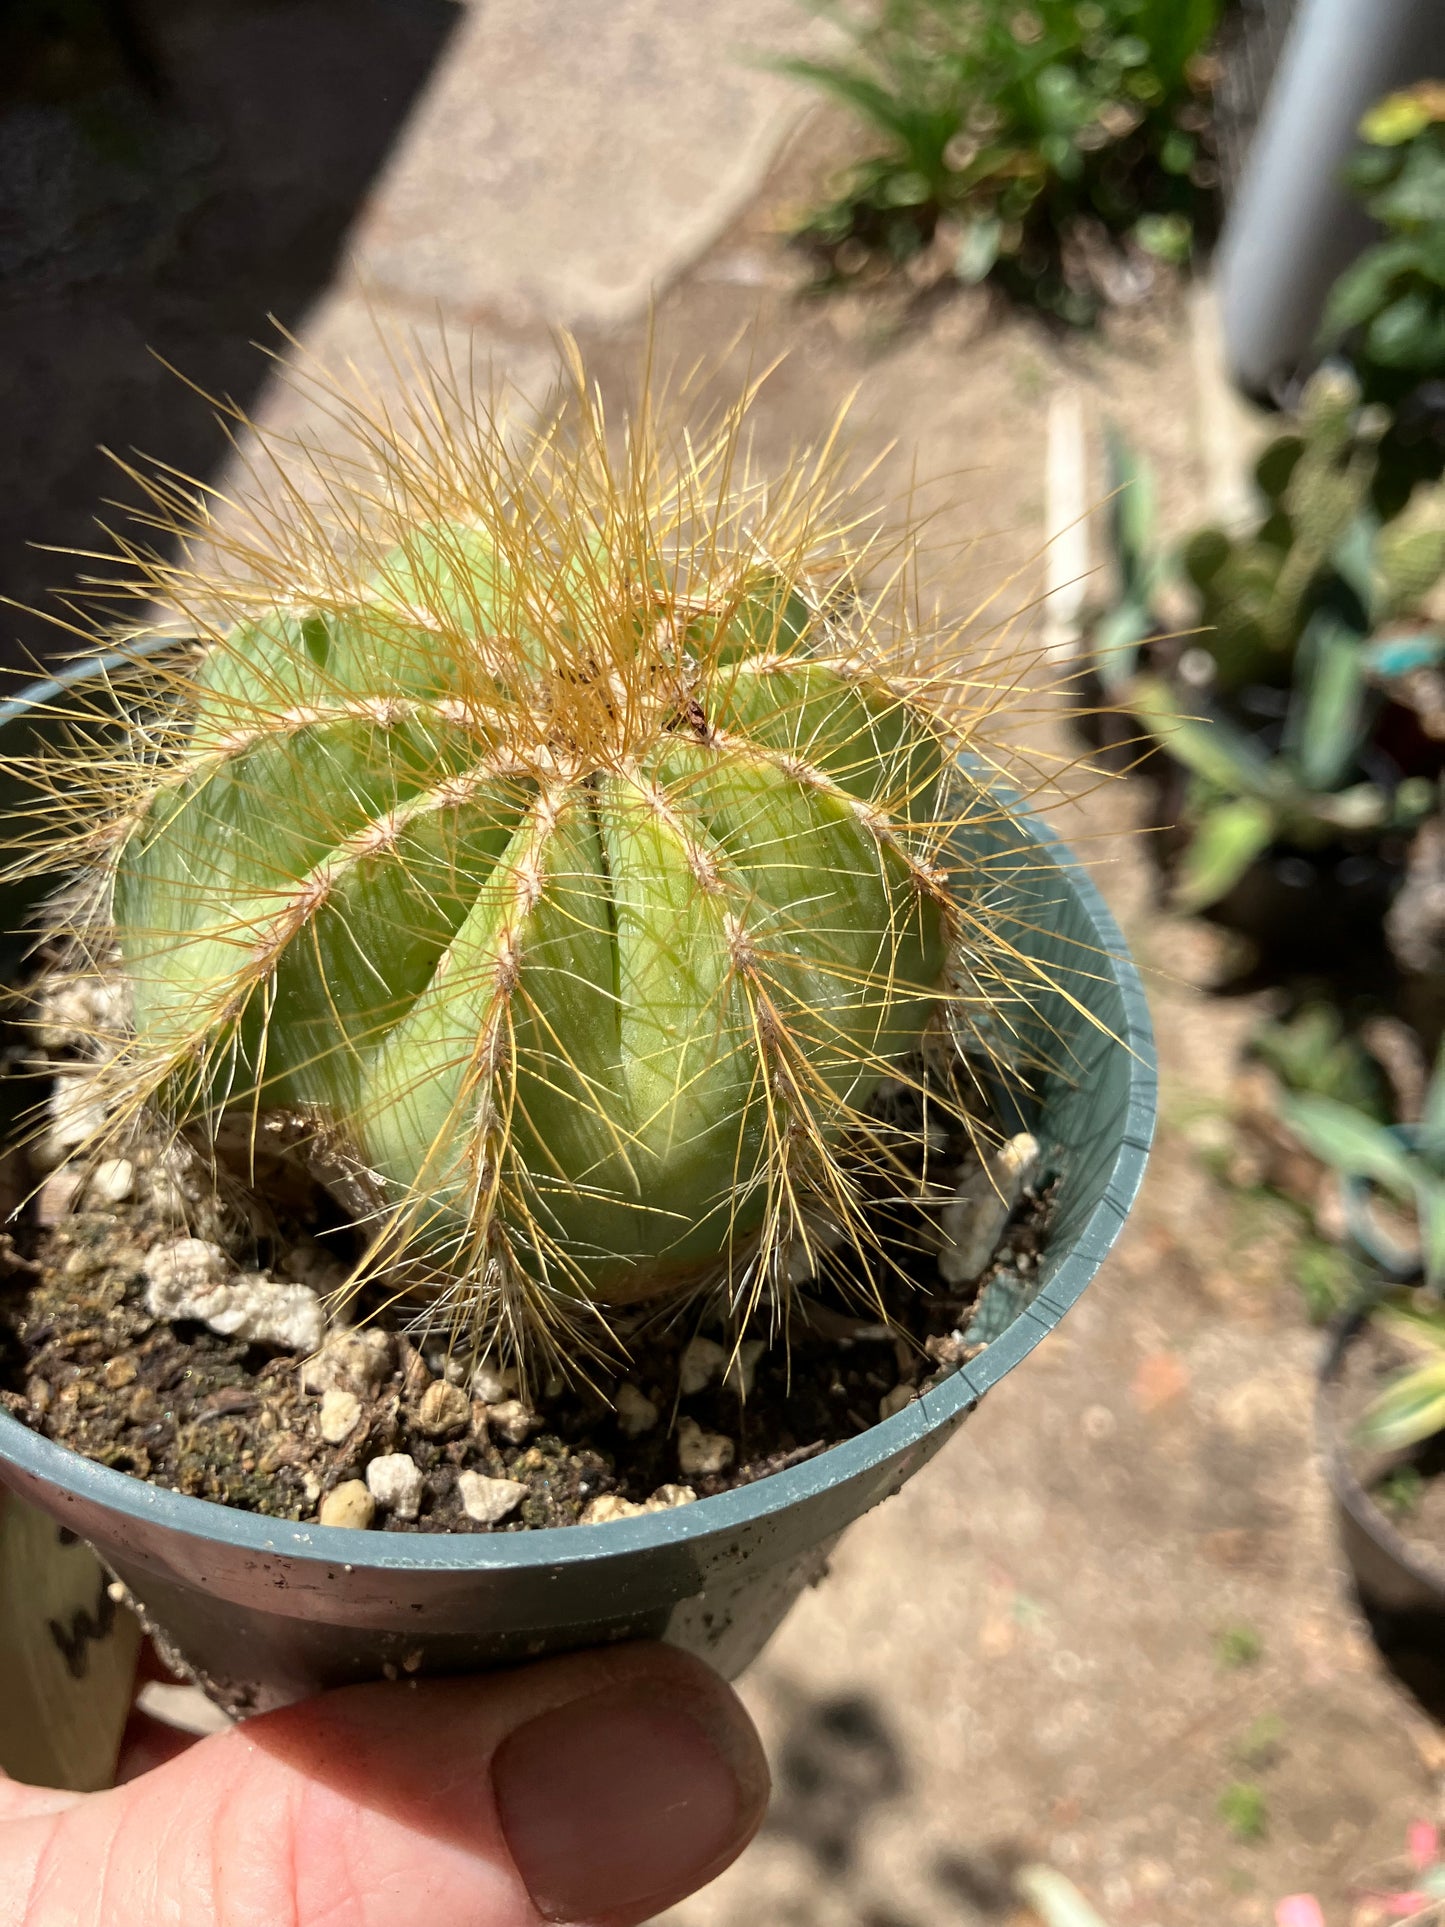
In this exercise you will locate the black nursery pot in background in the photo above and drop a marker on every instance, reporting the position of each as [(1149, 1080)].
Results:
[(1400, 1585), (264, 1611)]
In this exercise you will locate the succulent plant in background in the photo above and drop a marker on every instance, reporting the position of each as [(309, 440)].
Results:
[(1307, 793), (1041, 135), (1257, 591), (1387, 310), (551, 848), (1411, 1408), (1402, 1165), (1319, 542), (1142, 569), (1290, 643), (1312, 1050)]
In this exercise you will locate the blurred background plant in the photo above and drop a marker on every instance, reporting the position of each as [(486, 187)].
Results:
[(1060, 149), (1286, 673), (1386, 312), (1393, 1184), (1278, 677)]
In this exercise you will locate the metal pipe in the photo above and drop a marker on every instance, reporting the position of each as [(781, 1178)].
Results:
[(1294, 226)]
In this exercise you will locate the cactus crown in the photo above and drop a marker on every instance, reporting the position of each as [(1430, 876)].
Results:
[(551, 843)]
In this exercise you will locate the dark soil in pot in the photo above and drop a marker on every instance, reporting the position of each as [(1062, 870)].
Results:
[(410, 1433), (1391, 1512)]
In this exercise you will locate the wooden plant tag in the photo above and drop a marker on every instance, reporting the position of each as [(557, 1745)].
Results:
[(67, 1656)]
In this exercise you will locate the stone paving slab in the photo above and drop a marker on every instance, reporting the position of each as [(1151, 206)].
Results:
[(568, 160)]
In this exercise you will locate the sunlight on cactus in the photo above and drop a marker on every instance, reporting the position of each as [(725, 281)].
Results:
[(553, 844)]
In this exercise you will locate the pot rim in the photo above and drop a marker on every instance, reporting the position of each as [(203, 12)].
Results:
[(127, 1497), (1416, 1560)]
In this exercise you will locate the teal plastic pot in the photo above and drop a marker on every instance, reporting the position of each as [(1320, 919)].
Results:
[(265, 1611)]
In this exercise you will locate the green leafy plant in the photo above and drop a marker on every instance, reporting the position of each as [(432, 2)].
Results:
[(550, 850), (1411, 1408), (1142, 569), (1243, 797), (1319, 542), (1030, 128), (1405, 1164), (1313, 1050), (1320, 600), (1387, 310)]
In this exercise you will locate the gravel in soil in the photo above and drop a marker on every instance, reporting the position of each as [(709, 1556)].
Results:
[(383, 1431)]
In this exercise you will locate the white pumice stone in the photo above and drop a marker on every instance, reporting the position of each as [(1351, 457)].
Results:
[(667, 1497), (180, 1270), (489, 1501), (262, 1312), (340, 1412), (354, 1361), (442, 1409), (394, 1480), (511, 1420), (441, 1364), (77, 1116), (56, 1197), (636, 1412), (111, 1182), (612, 1505), (192, 1278), (492, 1386), (973, 1221), (608, 1506), (702, 1361), (349, 1504), (700, 1453)]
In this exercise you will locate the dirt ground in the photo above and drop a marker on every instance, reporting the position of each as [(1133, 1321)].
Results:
[(1113, 1609)]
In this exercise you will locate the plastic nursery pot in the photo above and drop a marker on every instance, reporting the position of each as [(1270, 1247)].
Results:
[(265, 1611), (1400, 1586)]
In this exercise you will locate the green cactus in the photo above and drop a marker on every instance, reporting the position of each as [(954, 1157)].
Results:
[(1328, 486), (556, 869), (1409, 562), (1317, 542)]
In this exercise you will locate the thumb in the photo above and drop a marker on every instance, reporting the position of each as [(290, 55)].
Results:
[(597, 1789)]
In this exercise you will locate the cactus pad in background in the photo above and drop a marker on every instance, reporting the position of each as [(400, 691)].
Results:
[(552, 848)]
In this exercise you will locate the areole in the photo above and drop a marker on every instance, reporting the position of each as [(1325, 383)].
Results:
[(265, 1611)]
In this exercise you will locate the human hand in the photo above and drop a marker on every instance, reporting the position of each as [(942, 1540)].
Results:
[(596, 1789)]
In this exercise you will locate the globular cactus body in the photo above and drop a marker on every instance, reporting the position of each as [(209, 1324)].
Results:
[(558, 883), (590, 976)]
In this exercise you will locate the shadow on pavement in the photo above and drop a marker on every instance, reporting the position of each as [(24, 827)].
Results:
[(837, 1764), (171, 173)]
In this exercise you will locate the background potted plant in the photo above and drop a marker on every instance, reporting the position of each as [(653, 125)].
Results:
[(668, 857), (1284, 677), (1386, 313), (1057, 151), (1382, 1396)]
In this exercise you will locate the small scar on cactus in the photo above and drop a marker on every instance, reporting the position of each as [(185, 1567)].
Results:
[(551, 849)]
